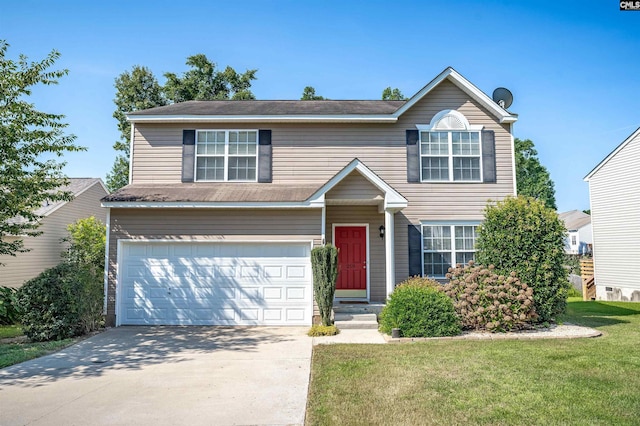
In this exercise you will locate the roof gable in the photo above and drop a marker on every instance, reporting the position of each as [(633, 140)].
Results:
[(467, 87), (377, 111), (392, 198), (613, 153)]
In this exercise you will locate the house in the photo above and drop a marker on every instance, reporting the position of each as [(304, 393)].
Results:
[(227, 198), (615, 218), (45, 249), (579, 239)]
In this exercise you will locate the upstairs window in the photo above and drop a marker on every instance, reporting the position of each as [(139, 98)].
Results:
[(450, 149), (226, 155)]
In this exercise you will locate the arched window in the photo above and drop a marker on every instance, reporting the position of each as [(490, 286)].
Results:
[(450, 149)]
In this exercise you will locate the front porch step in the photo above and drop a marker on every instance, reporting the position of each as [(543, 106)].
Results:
[(358, 308), (355, 321)]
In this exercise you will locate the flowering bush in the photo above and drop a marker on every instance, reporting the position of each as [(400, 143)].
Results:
[(419, 308), (484, 300)]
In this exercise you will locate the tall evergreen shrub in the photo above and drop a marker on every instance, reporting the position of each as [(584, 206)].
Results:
[(521, 234), (324, 263)]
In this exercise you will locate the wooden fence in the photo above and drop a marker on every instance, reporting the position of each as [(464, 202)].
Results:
[(588, 280)]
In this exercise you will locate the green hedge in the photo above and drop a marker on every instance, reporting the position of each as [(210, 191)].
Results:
[(419, 309)]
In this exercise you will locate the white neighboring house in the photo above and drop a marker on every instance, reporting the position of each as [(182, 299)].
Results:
[(45, 249), (580, 236), (614, 187)]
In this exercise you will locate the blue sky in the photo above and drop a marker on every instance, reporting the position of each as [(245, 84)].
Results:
[(572, 66)]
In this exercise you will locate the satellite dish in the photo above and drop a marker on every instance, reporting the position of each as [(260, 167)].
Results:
[(503, 97)]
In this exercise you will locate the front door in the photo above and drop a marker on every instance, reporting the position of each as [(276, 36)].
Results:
[(351, 242)]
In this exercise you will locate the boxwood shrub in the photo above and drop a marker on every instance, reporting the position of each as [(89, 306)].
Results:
[(419, 308)]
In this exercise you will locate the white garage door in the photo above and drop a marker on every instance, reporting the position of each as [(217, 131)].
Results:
[(215, 284)]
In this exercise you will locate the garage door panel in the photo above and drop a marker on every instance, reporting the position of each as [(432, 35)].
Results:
[(213, 283)]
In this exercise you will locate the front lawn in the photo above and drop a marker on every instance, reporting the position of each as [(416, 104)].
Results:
[(8, 331), (580, 381), (16, 352)]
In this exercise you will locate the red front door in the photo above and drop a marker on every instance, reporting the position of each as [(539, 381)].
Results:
[(352, 259)]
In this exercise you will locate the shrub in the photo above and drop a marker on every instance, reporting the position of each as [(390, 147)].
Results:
[(61, 302), (8, 306), (520, 234), (324, 263), (87, 239), (48, 305), (419, 309), (323, 330), (484, 300)]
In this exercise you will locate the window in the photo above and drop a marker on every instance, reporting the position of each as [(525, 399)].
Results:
[(226, 155), (574, 240), (450, 149), (446, 245)]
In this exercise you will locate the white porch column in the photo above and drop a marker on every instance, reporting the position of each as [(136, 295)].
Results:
[(389, 250), (323, 226)]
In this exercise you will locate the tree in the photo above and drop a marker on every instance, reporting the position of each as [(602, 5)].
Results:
[(87, 238), (204, 83), (309, 94), (30, 141), (525, 236), (532, 178), (135, 90), (588, 211), (390, 94)]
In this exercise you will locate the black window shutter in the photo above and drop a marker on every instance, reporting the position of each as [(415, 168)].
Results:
[(413, 156), (489, 156), (188, 154), (415, 250), (264, 156)]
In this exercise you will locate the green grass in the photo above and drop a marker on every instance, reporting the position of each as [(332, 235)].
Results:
[(7, 331), (14, 353), (572, 382)]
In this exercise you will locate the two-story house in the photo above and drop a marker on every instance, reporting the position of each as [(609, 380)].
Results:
[(227, 198)]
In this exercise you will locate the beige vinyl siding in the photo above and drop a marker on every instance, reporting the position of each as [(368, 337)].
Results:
[(308, 153), (364, 215), (207, 225), (45, 249), (615, 219), (354, 187)]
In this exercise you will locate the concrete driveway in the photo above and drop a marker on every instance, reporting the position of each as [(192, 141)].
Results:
[(164, 376)]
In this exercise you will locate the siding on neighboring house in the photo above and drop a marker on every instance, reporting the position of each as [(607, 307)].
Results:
[(207, 225), (45, 249), (615, 219)]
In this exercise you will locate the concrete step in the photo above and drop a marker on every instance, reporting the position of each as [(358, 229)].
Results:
[(339, 316), (356, 325), (358, 308)]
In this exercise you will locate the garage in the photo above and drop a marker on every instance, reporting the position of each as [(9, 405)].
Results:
[(221, 283)]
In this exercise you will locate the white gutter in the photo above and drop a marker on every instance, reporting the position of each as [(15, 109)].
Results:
[(261, 118)]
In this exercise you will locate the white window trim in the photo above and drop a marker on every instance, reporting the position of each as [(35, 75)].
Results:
[(226, 155), (451, 224)]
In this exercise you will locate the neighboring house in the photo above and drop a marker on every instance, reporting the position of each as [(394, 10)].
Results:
[(579, 238), (614, 188), (227, 198), (45, 249)]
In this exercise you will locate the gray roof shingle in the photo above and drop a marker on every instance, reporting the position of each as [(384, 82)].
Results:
[(204, 192), (575, 219), (268, 108)]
